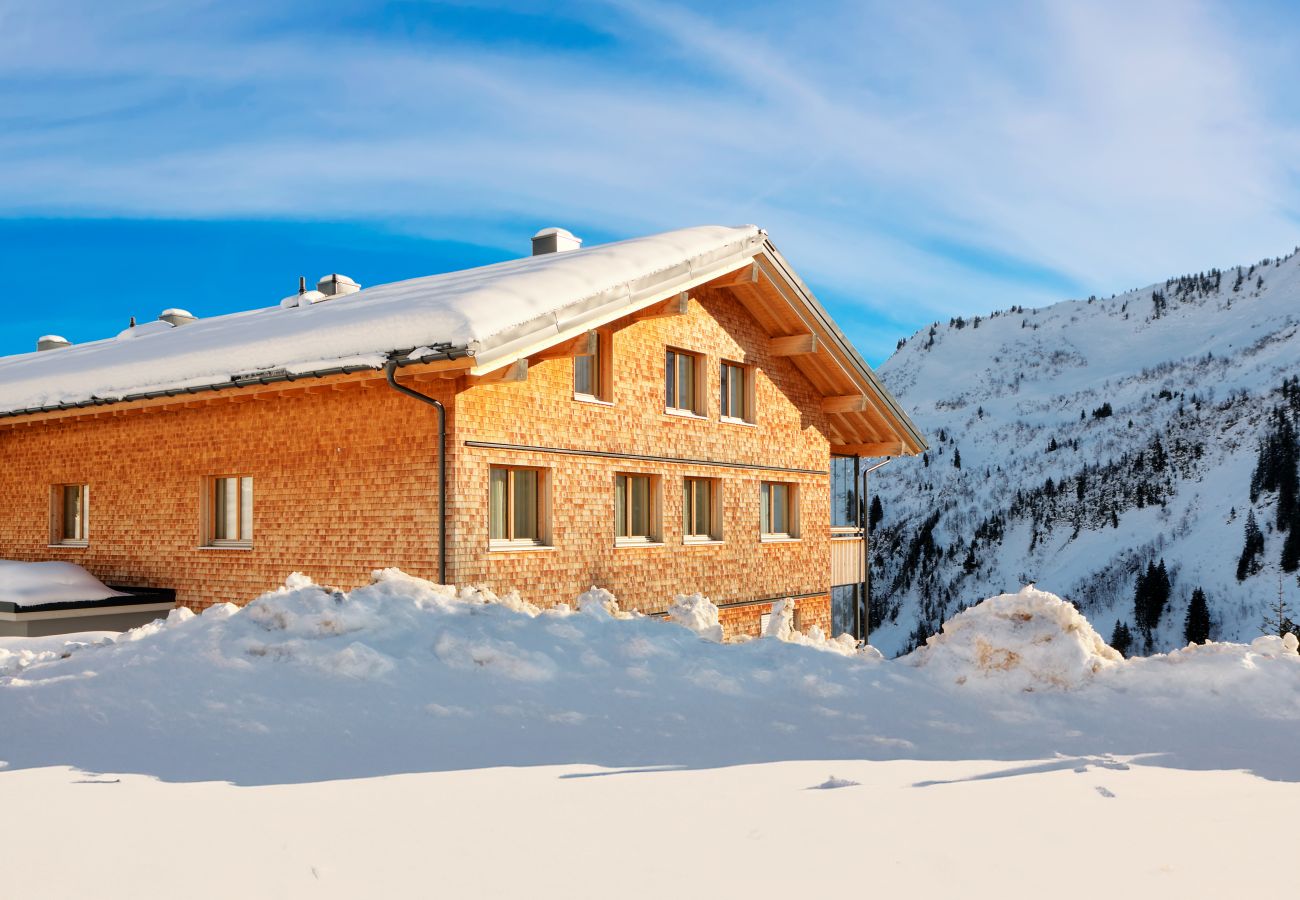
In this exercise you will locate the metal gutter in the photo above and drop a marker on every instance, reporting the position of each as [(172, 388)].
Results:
[(390, 374)]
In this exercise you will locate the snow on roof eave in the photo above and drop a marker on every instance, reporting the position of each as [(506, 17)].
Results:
[(861, 370), (573, 319), (235, 382)]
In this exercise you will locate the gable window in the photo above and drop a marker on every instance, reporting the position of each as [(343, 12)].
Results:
[(682, 379), (517, 507), (737, 392), (780, 511), (230, 511), (593, 374), (701, 510), (70, 514), (636, 509)]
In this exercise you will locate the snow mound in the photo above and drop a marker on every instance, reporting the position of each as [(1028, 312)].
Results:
[(780, 627), (34, 583), (698, 613), (1029, 640)]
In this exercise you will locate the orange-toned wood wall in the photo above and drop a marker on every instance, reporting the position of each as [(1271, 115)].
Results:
[(345, 481)]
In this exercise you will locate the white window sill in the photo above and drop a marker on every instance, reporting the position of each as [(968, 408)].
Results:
[(225, 547), (732, 420), (702, 542), (626, 543), (69, 545), (778, 539), (595, 401), (685, 414), (518, 548)]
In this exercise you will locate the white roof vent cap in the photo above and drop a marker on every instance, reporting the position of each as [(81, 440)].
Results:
[(336, 285), (177, 317), (554, 240), (52, 342)]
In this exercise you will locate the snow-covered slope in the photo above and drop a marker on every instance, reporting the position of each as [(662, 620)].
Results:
[(1144, 411)]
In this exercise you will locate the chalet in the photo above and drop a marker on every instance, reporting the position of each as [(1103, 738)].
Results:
[(661, 415)]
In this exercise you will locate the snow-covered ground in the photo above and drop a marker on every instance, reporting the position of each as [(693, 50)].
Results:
[(409, 740)]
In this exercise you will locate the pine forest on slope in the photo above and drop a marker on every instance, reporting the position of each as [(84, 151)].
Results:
[(1124, 453)]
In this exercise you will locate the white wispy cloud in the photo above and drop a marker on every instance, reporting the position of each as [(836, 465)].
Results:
[(919, 159)]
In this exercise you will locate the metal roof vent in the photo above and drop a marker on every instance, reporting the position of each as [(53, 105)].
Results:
[(337, 285), (177, 317), (52, 342), (554, 240)]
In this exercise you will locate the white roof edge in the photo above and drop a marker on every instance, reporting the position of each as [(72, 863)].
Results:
[(607, 306)]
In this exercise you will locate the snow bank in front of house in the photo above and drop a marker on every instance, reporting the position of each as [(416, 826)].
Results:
[(307, 682), (35, 583), (1029, 641)]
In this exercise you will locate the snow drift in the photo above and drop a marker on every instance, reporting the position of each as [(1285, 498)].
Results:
[(1030, 640), (402, 675)]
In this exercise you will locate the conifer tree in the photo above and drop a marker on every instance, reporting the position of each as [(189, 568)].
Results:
[(877, 511), (956, 458), (1121, 639), (1250, 563), (1277, 619), (1196, 628)]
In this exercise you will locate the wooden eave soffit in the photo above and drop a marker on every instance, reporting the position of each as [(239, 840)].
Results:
[(510, 373), (888, 448), (793, 345), (583, 345), (673, 306)]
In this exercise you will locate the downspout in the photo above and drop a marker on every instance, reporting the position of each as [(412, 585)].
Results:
[(864, 611), (390, 372)]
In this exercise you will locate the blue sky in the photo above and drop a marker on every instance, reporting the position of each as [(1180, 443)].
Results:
[(914, 161)]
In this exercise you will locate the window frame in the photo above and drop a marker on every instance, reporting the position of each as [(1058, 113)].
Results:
[(654, 500), (603, 371), (211, 505), (542, 501), (747, 392), (58, 515), (767, 494), (699, 377), (714, 535)]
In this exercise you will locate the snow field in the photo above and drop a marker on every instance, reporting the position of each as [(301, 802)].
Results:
[(406, 738)]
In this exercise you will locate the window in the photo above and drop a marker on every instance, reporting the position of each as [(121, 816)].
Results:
[(69, 514), (230, 511), (517, 507), (682, 381), (737, 392), (701, 519), (636, 509), (593, 375), (780, 513)]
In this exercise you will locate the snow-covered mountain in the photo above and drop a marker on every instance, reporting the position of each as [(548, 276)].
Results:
[(1078, 445)]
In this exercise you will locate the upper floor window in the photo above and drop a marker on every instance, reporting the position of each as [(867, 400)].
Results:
[(230, 511), (593, 374), (701, 510), (636, 509), (517, 507), (70, 514), (682, 380), (780, 510), (737, 392)]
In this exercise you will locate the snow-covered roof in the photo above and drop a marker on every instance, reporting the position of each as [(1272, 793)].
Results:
[(486, 313)]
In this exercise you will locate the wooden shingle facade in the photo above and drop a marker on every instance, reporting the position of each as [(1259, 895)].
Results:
[(679, 442)]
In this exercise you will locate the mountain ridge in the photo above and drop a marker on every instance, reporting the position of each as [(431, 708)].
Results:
[(1078, 444)]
